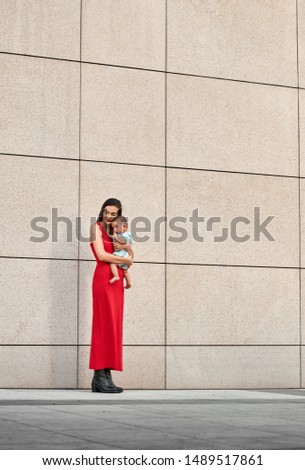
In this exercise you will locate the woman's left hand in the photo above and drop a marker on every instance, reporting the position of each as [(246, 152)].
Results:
[(123, 246), (118, 246)]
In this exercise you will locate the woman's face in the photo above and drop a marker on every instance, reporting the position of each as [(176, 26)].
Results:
[(110, 213)]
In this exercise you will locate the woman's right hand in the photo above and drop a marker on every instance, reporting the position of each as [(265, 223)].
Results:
[(128, 260)]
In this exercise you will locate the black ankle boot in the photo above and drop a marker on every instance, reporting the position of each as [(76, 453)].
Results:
[(100, 383), (108, 375)]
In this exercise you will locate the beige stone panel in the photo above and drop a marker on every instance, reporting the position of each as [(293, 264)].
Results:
[(47, 313), (144, 304), (233, 126), (38, 366), (301, 45), (229, 197), (303, 366), (144, 368), (39, 27), (229, 367), (141, 192), (34, 188), (302, 306), (123, 117), (40, 106), (228, 40), (302, 221), (231, 305), (124, 32), (302, 132)]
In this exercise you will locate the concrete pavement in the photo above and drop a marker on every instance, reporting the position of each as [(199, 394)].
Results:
[(152, 419)]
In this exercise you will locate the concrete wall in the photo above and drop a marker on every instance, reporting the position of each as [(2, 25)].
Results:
[(88, 113)]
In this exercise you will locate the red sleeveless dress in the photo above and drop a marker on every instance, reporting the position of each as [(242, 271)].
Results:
[(107, 322)]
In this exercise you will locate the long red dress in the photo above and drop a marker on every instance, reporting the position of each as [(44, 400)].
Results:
[(108, 304)]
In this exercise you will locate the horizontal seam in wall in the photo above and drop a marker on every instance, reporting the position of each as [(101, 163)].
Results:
[(184, 74), (296, 345), (152, 165), (233, 402), (158, 263)]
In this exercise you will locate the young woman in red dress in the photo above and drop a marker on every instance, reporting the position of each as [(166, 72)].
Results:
[(108, 301)]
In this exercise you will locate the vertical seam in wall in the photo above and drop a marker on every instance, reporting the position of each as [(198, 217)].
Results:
[(299, 199), (165, 203), (79, 182)]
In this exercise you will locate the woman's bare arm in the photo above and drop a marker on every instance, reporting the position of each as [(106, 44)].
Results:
[(96, 239)]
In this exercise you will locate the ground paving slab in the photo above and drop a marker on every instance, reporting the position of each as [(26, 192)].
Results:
[(152, 419)]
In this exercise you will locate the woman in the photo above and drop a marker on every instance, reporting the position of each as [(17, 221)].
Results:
[(108, 301)]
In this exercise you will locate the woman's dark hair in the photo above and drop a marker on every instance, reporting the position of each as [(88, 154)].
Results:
[(110, 202)]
